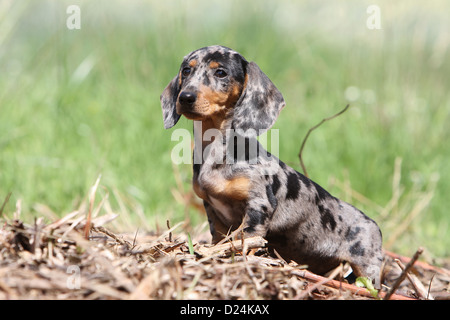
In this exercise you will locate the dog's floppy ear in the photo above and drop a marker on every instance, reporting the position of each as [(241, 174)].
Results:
[(168, 103), (259, 104)]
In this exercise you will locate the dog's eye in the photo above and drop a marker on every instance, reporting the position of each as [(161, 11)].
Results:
[(220, 73), (185, 72)]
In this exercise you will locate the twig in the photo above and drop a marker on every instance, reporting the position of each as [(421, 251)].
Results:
[(92, 193), (236, 245), (4, 203), (403, 274), (111, 235), (305, 274), (134, 240), (231, 234), (58, 223), (309, 132), (247, 267), (170, 233), (418, 286), (421, 264), (279, 257), (429, 286), (333, 275)]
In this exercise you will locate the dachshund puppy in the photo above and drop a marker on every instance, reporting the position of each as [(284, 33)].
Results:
[(232, 102)]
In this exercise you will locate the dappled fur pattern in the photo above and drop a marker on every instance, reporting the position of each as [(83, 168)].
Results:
[(240, 182)]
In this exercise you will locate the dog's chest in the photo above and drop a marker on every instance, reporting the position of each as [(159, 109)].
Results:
[(228, 197), (226, 211)]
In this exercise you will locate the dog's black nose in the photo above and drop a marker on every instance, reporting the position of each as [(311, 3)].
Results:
[(187, 98)]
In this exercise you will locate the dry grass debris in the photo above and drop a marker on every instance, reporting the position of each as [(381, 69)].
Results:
[(56, 261)]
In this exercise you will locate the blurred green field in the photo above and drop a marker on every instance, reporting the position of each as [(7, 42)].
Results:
[(78, 103)]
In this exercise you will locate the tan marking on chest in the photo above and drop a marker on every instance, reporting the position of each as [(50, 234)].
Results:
[(237, 188), (199, 190), (234, 189)]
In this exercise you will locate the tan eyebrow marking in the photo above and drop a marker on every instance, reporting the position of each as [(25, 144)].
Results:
[(214, 65), (192, 63)]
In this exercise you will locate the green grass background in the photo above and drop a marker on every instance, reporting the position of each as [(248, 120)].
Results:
[(78, 103)]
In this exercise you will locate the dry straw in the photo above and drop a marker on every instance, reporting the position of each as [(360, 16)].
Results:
[(56, 261)]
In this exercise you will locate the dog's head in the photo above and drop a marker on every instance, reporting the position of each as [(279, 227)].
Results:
[(216, 83)]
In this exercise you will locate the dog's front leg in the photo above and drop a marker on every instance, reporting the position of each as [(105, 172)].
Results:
[(217, 228), (255, 223), (259, 211)]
